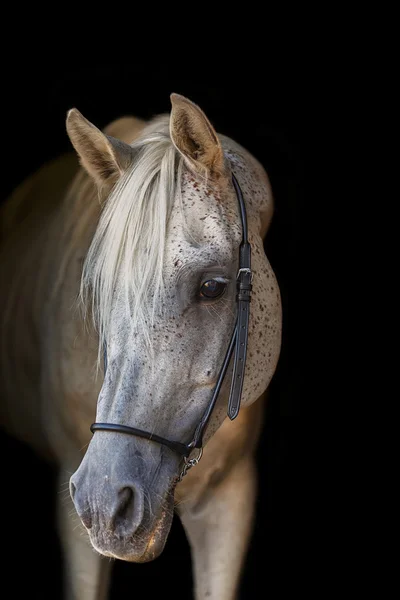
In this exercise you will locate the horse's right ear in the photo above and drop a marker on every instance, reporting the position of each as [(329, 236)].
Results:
[(105, 158)]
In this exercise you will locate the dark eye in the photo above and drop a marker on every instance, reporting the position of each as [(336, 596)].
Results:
[(212, 288)]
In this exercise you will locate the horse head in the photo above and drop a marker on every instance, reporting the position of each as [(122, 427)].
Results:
[(160, 280)]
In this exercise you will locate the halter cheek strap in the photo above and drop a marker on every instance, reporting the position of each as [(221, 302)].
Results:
[(244, 279), (237, 345)]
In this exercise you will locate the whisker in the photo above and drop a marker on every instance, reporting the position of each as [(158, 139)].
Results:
[(227, 306), (215, 312)]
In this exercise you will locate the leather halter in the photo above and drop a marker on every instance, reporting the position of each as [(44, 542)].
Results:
[(237, 345)]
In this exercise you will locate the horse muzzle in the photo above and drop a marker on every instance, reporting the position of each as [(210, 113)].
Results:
[(126, 502)]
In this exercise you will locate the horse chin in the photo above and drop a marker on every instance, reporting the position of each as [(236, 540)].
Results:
[(144, 546)]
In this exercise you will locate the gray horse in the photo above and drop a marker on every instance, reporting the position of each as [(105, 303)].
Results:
[(137, 253)]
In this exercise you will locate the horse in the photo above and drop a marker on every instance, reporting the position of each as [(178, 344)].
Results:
[(121, 262)]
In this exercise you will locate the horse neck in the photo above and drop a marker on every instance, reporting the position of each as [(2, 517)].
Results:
[(72, 233), (57, 318)]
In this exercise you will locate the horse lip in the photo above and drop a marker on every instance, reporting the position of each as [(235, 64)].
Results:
[(147, 542), (124, 549)]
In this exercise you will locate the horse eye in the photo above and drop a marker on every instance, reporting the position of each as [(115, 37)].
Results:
[(212, 288)]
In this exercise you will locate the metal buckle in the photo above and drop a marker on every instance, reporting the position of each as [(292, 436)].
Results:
[(189, 463), (245, 270)]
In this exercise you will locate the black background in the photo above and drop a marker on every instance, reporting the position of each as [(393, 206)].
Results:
[(273, 108)]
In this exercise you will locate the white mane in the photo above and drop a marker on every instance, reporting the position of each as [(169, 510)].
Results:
[(128, 246)]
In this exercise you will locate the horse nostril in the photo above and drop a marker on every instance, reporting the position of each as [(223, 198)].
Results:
[(72, 489), (129, 510), (86, 519), (125, 510), (81, 506)]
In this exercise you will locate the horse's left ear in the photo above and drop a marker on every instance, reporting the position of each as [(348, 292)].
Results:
[(195, 137), (105, 158)]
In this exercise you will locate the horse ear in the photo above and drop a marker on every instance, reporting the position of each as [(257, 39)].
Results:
[(104, 157), (194, 136)]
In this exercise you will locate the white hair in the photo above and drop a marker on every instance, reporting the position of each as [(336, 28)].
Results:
[(129, 242)]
